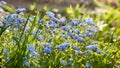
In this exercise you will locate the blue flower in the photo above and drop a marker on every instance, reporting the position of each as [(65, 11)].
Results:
[(70, 33), (31, 19), (69, 64), (89, 52), (99, 51), (96, 42), (34, 54), (93, 47), (67, 44), (54, 19), (82, 24), (51, 14), (40, 37), (51, 22), (16, 25), (47, 45), (15, 16), (86, 31), (78, 52), (8, 59), (41, 21), (75, 23), (54, 25), (62, 21), (32, 51), (72, 22), (90, 34), (75, 48), (81, 35), (63, 36), (6, 22), (77, 30), (66, 28), (13, 19), (79, 39), (23, 20), (31, 48), (63, 46), (63, 62), (89, 21), (27, 29), (33, 33), (5, 52), (93, 30), (16, 20), (88, 65), (26, 63), (47, 50), (25, 57)]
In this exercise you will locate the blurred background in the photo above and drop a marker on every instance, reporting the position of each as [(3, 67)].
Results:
[(59, 3)]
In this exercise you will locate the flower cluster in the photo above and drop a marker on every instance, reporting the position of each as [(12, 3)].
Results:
[(77, 50), (15, 20), (63, 46), (56, 35), (47, 48), (94, 48), (32, 52)]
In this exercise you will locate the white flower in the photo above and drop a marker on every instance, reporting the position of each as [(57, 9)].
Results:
[(101, 25), (21, 9)]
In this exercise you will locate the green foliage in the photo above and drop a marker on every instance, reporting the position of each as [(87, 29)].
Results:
[(8, 8), (17, 43)]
